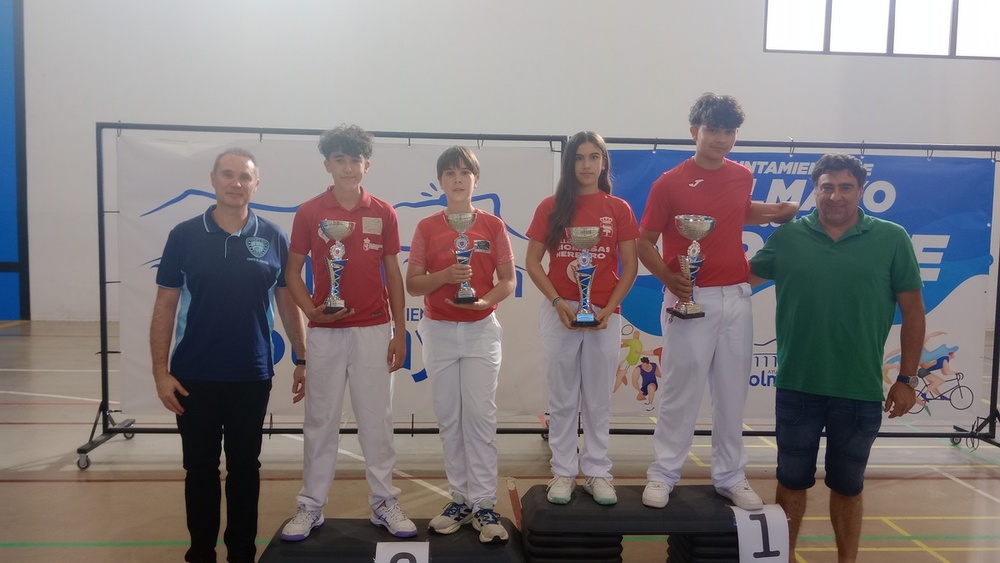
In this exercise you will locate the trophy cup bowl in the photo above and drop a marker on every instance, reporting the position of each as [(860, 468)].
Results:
[(583, 239), (336, 231), (693, 228), (462, 222)]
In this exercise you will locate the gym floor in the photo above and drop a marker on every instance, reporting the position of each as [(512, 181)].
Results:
[(926, 499)]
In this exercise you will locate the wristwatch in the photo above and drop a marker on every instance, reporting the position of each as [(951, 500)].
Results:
[(910, 380), (300, 362)]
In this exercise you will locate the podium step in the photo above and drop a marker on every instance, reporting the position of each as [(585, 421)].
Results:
[(714, 549), (571, 549), (693, 509), (700, 525), (350, 541)]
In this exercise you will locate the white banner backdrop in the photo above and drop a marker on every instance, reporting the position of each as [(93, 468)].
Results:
[(162, 182)]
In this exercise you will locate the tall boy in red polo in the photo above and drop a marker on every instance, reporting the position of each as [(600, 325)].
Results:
[(714, 350), (355, 344)]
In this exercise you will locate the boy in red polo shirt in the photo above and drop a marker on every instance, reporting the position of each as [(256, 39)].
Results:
[(354, 343), (714, 350), (461, 338)]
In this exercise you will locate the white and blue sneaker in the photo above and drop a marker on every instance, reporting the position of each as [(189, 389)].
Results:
[(391, 517), (304, 521), (487, 522), (453, 517)]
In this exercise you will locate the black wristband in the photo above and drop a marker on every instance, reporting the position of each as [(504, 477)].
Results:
[(300, 362)]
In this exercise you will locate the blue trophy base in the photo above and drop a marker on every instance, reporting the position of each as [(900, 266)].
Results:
[(585, 320)]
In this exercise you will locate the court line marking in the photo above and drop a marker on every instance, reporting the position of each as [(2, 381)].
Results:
[(50, 396), (971, 487), (906, 535), (47, 370), (403, 474)]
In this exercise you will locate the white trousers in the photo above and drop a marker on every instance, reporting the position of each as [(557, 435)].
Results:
[(338, 356), (580, 368), (463, 362), (715, 349)]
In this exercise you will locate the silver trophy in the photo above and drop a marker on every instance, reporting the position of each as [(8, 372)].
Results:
[(462, 222), (693, 228), (583, 239), (336, 231)]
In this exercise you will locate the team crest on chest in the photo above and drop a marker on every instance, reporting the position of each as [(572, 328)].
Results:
[(607, 226), (258, 246)]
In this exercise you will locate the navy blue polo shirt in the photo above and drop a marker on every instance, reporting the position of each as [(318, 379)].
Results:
[(227, 284)]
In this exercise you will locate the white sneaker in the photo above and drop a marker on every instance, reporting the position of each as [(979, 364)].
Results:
[(391, 517), (487, 521), (656, 494), (560, 490), (602, 491), (742, 496), (304, 521), (453, 517)]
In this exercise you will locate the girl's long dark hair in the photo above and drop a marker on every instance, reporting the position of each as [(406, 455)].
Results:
[(568, 188)]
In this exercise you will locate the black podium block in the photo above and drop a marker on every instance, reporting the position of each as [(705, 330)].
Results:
[(693, 509), (703, 549), (698, 521), (348, 541)]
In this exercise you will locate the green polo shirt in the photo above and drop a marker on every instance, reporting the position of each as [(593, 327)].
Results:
[(835, 302)]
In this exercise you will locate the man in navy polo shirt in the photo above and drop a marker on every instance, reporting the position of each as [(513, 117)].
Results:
[(223, 268)]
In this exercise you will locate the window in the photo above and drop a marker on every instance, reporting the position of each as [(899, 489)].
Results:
[(944, 28), (975, 19)]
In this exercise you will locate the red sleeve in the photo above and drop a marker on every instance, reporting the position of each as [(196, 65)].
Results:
[(501, 242), (390, 233), (418, 246), (540, 222), (302, 227), (629, 229), (656, 215)]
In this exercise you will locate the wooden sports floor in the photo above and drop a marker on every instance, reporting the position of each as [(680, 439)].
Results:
[(926, 499)]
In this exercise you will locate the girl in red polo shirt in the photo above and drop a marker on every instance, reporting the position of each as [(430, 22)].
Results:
[(581, 359)]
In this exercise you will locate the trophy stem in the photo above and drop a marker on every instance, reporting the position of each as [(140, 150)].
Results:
[(333, 302), (465, 294), (585, 314), (688, 309)]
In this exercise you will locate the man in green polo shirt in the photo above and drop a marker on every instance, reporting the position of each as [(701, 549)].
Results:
[(839, 275)]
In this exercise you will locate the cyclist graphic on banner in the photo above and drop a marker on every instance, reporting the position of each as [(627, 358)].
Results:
[(938, 380)]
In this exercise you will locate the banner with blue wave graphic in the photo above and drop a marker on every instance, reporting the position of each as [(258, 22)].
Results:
[(162, 182)]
